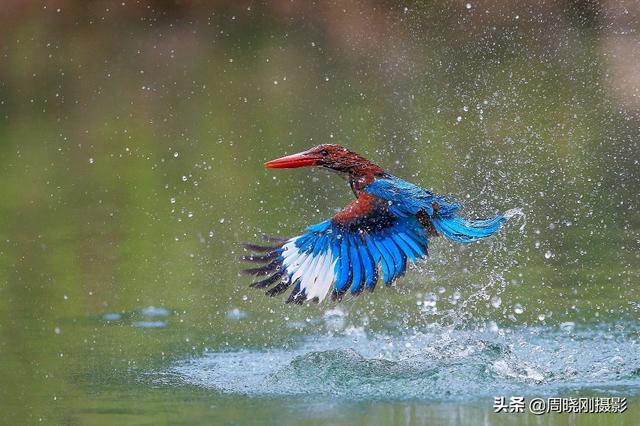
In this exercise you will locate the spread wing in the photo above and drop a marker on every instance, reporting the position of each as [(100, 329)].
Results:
[(346, 253)]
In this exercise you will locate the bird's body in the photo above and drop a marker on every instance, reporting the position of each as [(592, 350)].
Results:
[(387, 225)]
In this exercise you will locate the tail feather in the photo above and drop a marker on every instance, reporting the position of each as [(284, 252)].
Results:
[(466, 231)]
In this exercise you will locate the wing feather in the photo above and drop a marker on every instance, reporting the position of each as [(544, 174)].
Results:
[(356, 265), (346, 253)]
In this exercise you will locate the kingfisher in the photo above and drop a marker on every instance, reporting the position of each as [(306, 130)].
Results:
[(387, 226)]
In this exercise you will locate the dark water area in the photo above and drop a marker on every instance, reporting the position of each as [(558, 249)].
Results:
[(132, 143)]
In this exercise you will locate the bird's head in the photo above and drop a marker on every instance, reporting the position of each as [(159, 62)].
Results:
[(331, 156)]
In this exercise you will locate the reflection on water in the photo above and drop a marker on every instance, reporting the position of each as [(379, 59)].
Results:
[(152, 311), (150, 324), (112, 316), (149, 317)]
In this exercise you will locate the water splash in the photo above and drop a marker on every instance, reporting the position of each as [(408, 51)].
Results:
[(150, 324), (442, 364), (154, 311), (519, 213)]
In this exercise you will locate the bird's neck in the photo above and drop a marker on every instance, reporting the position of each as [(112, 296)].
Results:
[(363, 174)]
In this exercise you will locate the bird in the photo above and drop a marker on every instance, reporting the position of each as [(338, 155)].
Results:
[(387, 226)]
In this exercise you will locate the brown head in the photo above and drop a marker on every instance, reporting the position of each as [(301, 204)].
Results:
[(330, 156)]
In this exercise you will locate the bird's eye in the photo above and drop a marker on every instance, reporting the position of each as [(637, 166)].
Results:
[(324, 152)]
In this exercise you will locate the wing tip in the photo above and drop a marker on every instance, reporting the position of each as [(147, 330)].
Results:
[(268, 281), (280, 288), (260, 258), (264, 270), (259, 248), (297, 297)]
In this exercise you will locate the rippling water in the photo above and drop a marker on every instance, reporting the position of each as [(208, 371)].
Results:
[(438, 364)]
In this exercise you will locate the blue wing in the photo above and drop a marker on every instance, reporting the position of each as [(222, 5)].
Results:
[(344, 254), (386, 227), (407, 199)]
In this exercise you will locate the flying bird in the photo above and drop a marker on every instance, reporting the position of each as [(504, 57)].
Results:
[(388, 225)]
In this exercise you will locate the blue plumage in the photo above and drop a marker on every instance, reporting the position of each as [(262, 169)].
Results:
[(347, 254), (356, 253), (388, 225), (408, 199), (399, 259), (407, 237), (356, 256), (404, 248), (343, 269), (369, 266), (467, 231), (388, 266), (356, 265)]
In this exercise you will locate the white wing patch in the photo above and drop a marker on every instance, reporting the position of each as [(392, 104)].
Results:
[(315, 273)]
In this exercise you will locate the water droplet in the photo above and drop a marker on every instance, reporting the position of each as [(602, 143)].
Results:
[(91, 161), (548, 254), (496, 301), (152, 311), (430, 299), (335, 319), (518, 308), (112, 316), (150, 324), (236, 314)]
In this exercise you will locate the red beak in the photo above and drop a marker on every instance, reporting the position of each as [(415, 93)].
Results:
[(301, 159)]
